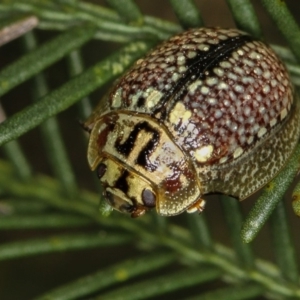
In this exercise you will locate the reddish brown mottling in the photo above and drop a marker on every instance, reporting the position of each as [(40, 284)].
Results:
[(234, 98)]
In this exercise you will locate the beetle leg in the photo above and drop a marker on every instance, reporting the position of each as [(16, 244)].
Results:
[(139, 211), (197, 206)]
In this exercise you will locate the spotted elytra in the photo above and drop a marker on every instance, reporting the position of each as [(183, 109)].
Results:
[(210, 110)]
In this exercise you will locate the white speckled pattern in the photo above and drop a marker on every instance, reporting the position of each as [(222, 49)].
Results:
[(233, 102)]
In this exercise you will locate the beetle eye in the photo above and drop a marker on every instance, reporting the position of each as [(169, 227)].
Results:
[(148, 197), (101, 169)]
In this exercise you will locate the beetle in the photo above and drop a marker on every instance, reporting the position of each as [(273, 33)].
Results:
[(211, 110)]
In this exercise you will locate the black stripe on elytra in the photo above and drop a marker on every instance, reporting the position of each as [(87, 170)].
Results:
[(128, 145), (200, 67)]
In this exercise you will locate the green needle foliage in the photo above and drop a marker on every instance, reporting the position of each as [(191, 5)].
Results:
[(50, 222)]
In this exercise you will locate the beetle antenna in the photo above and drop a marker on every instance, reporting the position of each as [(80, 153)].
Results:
[(84, 127)]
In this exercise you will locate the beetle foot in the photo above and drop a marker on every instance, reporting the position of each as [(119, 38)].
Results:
[(198, 206), (139, 211)]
